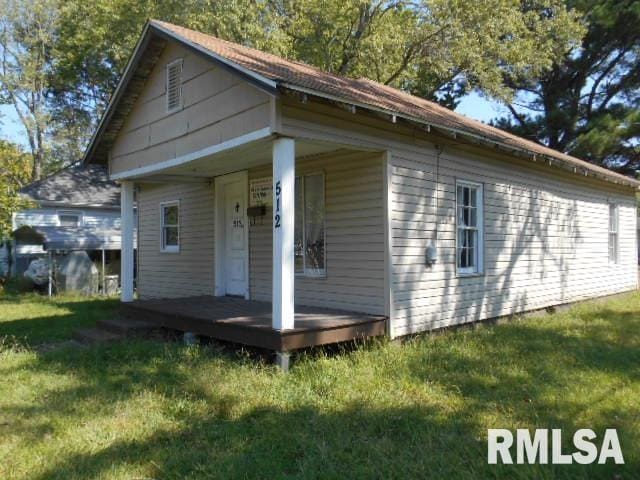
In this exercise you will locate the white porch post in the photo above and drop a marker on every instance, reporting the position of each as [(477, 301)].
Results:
[(126, 260), (284, 181)]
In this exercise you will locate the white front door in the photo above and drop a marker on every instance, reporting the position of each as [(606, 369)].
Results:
[(235, 254)]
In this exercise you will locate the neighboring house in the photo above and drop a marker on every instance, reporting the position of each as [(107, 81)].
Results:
[(271, 180), (77, 208)]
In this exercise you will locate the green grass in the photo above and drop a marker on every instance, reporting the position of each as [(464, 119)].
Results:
[(384, 410), (33, 319)]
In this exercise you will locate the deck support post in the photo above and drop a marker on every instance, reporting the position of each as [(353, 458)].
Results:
[(283, 360), (284, 181), (126, 260)]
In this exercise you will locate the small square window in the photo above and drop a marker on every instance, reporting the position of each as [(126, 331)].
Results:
[(170, 227), (69, 219)]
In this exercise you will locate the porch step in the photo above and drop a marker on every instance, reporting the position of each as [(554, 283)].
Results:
[(95, 335), (127, 326)]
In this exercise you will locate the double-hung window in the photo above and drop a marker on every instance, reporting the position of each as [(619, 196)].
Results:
[(469, 223), (309, 239), (613, 233), (170, 227)]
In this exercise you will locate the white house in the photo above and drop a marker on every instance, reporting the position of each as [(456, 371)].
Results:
[(283, 206), (77, 208)]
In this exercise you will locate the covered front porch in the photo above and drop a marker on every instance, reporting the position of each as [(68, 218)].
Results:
[(249, 322), (249, 288)]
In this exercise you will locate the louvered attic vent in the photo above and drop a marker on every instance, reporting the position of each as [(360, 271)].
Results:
[(174, 85)]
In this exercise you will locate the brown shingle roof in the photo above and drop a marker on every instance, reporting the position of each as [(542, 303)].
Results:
[(77, 185), (290, 74)]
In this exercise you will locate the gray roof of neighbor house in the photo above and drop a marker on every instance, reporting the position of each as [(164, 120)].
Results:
[(78, 185), (68, 238), (275, 74)]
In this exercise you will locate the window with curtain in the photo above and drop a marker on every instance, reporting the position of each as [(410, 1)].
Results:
[(469, 241), (309, 226), (170, 227), (613, 233)]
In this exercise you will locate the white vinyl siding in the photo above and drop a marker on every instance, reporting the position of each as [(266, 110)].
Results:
[(469, 220), (174, 86), (170, 227), (543, 227), (544, 243), (91, 217), (191, 271), (354, 277), (613, 233), (217, 106)]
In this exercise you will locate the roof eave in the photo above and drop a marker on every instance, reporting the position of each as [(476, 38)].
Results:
[(117, 94), (260, 81), (612, 177)]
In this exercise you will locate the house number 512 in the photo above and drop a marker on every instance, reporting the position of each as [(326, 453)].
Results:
[(276, 217)]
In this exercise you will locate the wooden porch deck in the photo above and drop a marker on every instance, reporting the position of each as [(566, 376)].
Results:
[(248, 322)]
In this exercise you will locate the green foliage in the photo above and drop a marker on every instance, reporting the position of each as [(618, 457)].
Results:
[(15, 172), (26, 35), (418, 409), (439, 48), (588, 103)]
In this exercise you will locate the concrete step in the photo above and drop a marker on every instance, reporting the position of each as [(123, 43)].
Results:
[(95, 335), (127, 326)]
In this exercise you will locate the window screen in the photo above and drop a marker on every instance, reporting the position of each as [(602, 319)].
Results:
[(309, 225), (170, 234)]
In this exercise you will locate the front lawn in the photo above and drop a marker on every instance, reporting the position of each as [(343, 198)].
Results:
[(385, 410)]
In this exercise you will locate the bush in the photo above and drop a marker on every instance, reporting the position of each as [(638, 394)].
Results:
[(19, 285)]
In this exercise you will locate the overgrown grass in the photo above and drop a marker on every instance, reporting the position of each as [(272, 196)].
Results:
[(384, 410)]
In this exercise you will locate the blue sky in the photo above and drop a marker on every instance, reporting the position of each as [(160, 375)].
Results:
[(472, 105)]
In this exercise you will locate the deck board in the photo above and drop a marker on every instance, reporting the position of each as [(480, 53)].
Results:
[(248, 322)]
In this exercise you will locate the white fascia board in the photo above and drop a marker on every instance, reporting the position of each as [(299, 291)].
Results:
[(190, 157)]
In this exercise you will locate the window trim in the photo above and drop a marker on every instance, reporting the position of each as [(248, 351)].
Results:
[(616, 233), (319, 274), (478, 270), (180, 105), (169, 248), (76, 213)]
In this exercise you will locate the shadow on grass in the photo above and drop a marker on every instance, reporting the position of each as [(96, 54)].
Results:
[(526, 374), (34, 319)]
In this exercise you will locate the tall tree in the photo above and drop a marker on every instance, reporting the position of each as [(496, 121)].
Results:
[(26, 36), (439, 49), (96, 39), (588, 103), (15, 172)]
